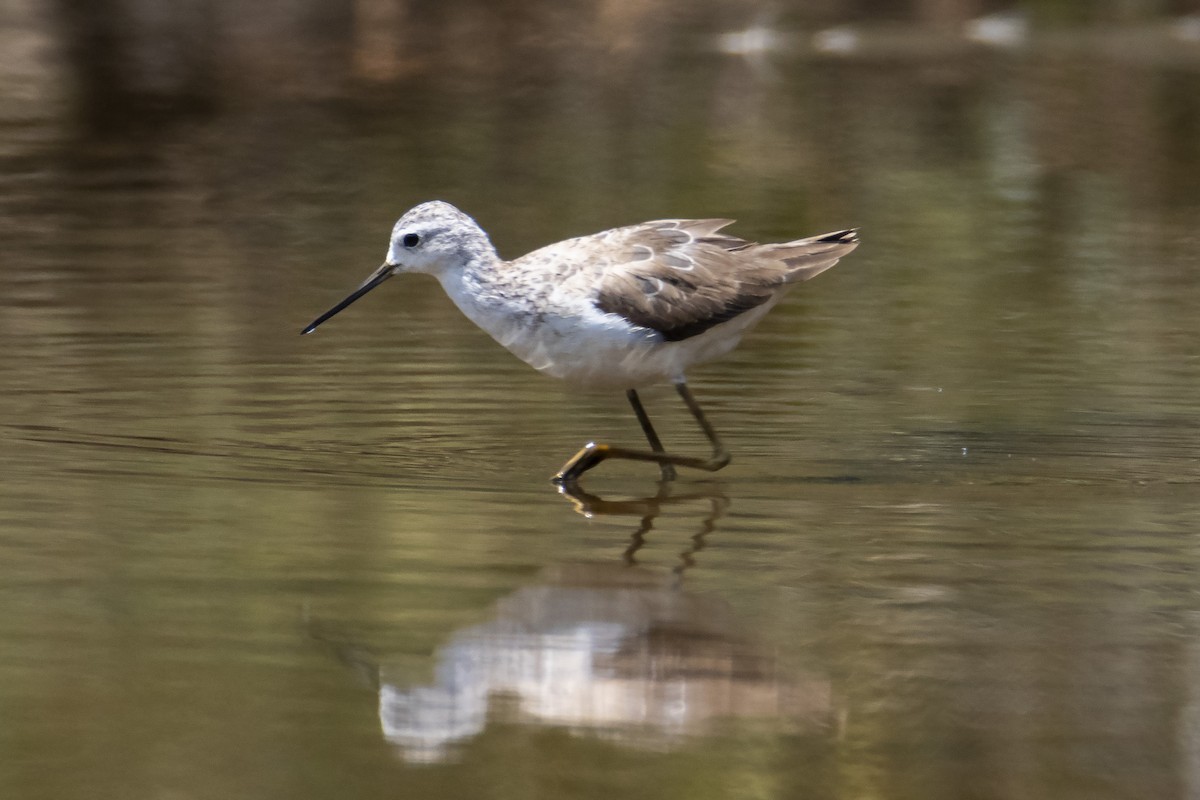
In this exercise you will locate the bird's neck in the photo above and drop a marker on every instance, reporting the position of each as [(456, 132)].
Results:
[(473, 284)]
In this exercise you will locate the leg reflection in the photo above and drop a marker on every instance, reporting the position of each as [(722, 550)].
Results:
[(649, 509)]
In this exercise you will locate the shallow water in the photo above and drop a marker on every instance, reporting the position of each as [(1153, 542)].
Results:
[(956, 552)]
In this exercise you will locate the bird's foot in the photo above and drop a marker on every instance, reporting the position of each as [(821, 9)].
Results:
[(588, 457), (592, 454)]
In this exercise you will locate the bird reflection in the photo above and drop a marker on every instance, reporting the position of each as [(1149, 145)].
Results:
[(608, 649)]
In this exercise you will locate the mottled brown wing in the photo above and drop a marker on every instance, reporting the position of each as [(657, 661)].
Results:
[(682, 277)]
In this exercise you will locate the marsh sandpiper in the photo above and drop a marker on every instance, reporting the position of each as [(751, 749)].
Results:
[(620, 309)]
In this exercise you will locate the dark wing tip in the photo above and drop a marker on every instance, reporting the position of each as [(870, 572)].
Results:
[(849, 236)]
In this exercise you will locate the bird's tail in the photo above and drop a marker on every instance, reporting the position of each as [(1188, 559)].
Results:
[(808, 258)]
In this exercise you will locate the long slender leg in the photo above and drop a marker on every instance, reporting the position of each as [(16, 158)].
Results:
[(720, 456), (668, 471), (592, 453)]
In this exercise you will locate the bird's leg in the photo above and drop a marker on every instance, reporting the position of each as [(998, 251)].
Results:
[(668, 471), (592, 453), (720, 456)]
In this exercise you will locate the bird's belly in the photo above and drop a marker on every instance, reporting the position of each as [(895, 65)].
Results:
[(610, 355), (591, 365)]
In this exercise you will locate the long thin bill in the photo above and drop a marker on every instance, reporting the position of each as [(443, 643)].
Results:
[(379, 276)]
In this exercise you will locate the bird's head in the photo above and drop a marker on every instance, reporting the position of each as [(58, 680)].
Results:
[(435, 238)]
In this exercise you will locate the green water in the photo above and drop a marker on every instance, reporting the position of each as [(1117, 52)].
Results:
[(956, 553)]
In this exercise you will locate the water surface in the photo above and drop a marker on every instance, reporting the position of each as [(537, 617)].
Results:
[(955, 554)]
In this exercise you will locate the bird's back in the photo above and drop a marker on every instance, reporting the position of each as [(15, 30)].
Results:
[(680, 278)]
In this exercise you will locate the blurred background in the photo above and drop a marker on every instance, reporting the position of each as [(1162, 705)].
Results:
[(955, 555)]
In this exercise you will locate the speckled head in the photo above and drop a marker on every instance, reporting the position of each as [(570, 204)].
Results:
[(434, 237)]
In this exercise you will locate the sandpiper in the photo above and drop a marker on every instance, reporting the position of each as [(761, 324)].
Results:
[(621, 309)]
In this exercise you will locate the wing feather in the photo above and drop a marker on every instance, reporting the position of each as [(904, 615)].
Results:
[(683, 277)]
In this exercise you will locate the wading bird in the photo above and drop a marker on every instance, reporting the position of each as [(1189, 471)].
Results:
[(619, 309)]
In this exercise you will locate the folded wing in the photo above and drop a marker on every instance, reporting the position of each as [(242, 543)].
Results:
[(682, 277)]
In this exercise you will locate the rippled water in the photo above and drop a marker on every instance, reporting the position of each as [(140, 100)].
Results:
[(956, 552)]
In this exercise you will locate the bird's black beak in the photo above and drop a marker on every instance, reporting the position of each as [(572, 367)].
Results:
[(377, 277)]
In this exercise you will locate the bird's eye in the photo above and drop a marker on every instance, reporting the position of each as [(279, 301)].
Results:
[(411, 240)]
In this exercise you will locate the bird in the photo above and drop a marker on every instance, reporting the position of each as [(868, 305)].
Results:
[(621, 309)]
